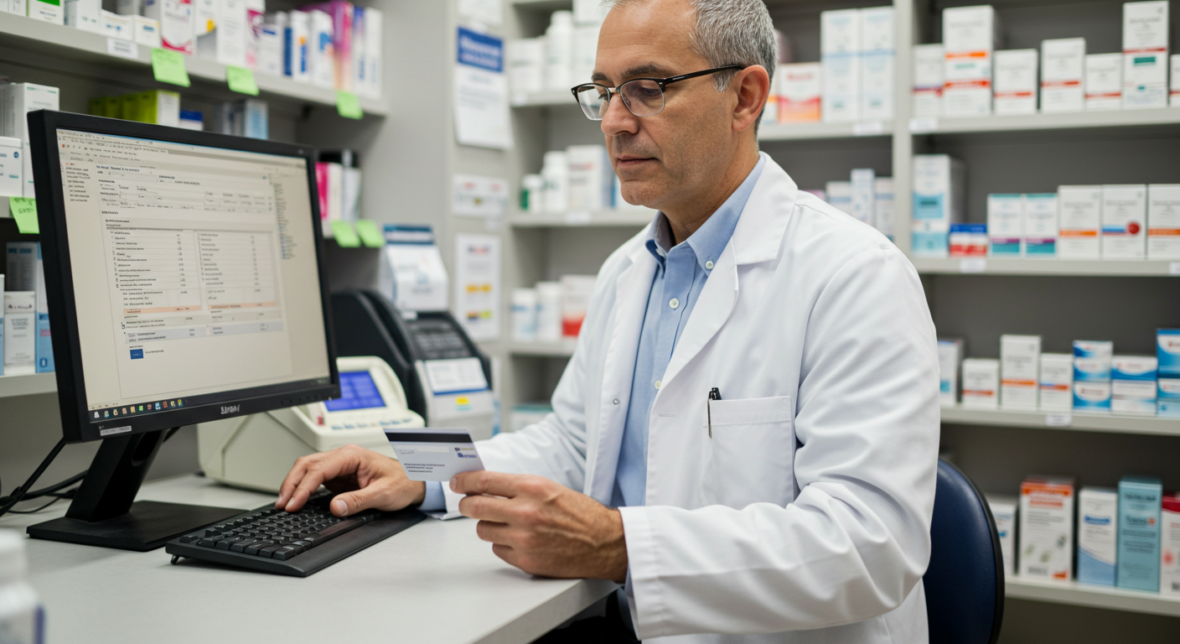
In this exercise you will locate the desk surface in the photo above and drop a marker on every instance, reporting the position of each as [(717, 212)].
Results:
[(435, 582)]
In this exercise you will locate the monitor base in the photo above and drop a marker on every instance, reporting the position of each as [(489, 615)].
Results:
[(146, 526)]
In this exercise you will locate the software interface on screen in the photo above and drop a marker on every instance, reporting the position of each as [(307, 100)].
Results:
[(194, 272)]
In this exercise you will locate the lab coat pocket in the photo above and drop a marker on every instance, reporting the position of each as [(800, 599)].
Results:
[(750, 457)]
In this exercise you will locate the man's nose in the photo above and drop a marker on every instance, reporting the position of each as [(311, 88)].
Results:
[(618, 119)]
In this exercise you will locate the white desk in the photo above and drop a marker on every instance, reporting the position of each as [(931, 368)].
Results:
[(435, 582)]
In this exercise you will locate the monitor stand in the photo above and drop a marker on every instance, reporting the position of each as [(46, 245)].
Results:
[(103, 513)]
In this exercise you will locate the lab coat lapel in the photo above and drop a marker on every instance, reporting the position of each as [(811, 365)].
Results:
[(632, 288)]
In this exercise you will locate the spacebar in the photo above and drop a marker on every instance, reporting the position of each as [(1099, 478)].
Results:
[(336, 530)]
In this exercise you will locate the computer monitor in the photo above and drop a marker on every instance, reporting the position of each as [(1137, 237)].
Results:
[(185, 283)]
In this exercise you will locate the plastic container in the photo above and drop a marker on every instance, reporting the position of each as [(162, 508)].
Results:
[(524, 315), (22, 620), (549, 311)]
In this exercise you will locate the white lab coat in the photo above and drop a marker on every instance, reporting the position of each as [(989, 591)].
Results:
[(806, 516)]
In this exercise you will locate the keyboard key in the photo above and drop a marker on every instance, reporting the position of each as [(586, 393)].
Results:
[(285, 553)]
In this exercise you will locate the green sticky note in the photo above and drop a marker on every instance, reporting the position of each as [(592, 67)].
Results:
[(168, 66), (345, 235), (241, 80), (24, 211), (370, 235), (348, 105)]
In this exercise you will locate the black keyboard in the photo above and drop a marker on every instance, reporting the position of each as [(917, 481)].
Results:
[(290, 543)]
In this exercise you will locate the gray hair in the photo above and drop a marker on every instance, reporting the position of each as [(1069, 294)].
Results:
[(731, 32)]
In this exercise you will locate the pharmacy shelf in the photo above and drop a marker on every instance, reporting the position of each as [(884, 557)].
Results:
[(24, 382), (994, 266), (582, 219), (817, 130), (549, 98), (22, 39), (562, 349), (1093, 596), (1058, 121), (1108, 423)]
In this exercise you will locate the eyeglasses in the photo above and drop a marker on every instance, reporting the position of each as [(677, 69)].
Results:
[(641, 96)]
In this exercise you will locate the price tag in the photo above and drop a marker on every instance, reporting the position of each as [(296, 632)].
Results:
[(345, 235), (168, 67), (241, 80), (348, 105), (868, 128), (577, 217), (122, 48), (1058, 420), (923, 125), (369, 233), (1174, 268), (24, 211), (973, 265)]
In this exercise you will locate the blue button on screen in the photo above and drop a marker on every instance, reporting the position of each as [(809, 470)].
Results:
[(137, 354), (357, 391)]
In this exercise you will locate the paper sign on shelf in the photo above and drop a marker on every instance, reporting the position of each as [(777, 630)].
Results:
[(479, 196), (481, 92), (412, 273), (344, 234), (24, 211), (348, 105), (477, 285), (122, 48), (241, 80), (168, 67), (369, 233)]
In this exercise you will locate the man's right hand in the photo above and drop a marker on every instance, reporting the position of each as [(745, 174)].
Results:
[(360, 478)]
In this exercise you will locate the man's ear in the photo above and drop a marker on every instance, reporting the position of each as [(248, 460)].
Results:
[(753, 87)]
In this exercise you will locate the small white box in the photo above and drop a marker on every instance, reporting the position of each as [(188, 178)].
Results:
[(1005, 225), (877, 51), (116, 26), (1079, 222), (1104, 81), (981, 383), (526, 65), (1133, 385), (1040, 226), (950, 358), (322, 57), (970, 29), (20, 329), (1019, 371), (297, 47), (1145, 54), (1170, 545), (938, 201), (1097, 535), (1046, 528), (84, 14), (1175, 101), (590, 177), (374, 34), (928, 80), (11, 170), (969, 35), (1124, 222), (1163, 221), (862, 194), (801, 87), (840, 38), (52, 11), (1063, 69), (883, 211), (270, 50), (1056, 382), (1004, 514), (840, 195), (1091, 375), (1015, 81), (27, 171), (147, 31), (19, 100), (176, 23)]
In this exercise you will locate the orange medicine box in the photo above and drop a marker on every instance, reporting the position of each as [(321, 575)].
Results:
[(1047, 528)]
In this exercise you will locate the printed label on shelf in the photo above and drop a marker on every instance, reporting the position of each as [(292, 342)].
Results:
[(923, 125), (1058, 420), (1174, 268), (122, 48), (973, 265), (577, 217), (868, 128)]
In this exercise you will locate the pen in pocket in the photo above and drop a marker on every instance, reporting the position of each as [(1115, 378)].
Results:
[(714, 394)]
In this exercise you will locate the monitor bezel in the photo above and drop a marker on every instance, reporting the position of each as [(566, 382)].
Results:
[(77, 426)]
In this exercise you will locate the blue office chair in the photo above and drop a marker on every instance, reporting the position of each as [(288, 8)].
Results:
[(965, 579)]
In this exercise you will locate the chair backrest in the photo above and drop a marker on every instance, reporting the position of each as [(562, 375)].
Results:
[(965, 579)]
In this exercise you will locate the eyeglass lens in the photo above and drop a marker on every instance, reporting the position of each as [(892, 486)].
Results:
[(641, 97)]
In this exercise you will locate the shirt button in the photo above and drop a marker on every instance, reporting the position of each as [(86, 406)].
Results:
[(616, 401), (658, 383), (709, 265), (675, 303)]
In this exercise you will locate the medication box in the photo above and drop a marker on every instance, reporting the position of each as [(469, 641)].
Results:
[(862, 194), (1124, 222), (877, 62), (1004, 510), (1170, 545), (1145, 54), (1104, 81), (1056, 385), (1063, 68), (1019, 356), (1005, 224), (1175, 100), (1139, 533), (950, 358), (981, 383), (969, 38), (1133, 385), (1046, 528), (1163, 221), (1080, 222), (968, 240), (1040, 226), (590, 177), (840, 42), (26, 273), (1167, 351), (20, 329), (1015, 81), (176, 23), (800, 85), (1097, 535), (938, 202), (11, 170), (883, 211), (840, 195), (928, 80), (1091, 375)]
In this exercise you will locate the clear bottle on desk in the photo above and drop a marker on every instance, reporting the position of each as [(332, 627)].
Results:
[(22, 620)]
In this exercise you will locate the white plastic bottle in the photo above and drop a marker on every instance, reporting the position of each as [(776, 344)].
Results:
[(556, 171), (559, 51), (22, 620)]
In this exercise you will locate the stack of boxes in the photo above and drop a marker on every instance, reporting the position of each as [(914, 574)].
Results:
[(1145, 54), (858, 53), (866, 197), (939, 200)]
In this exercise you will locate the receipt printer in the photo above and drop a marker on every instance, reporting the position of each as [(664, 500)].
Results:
[(448, 380), (257, 451)]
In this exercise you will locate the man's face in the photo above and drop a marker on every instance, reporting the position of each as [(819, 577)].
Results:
[(665, 159)]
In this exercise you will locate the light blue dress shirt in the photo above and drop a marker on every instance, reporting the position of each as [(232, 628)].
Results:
[(679, 279)]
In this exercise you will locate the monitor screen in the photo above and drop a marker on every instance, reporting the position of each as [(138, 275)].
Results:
[(194, 273), (357, 391)]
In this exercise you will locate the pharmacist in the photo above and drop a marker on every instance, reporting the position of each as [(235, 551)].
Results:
[(797, 502)]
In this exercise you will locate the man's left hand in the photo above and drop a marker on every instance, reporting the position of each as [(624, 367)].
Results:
[(542, 527)]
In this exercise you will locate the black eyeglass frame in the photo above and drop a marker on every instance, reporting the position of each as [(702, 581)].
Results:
[(663, 84)]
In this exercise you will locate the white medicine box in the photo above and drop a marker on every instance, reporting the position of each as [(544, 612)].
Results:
[(1124, 222), (11, 170), (981, 383), (1015, 81), (1019, 371), (1163, 221), (1063, 70)]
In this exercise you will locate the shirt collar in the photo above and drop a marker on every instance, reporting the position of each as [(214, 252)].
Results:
[(713, 236)]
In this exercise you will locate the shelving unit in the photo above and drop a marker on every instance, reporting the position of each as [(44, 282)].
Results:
[(23, 382), (1056, 267), (605, 218), (562, 349), (1093, 596), (1036, 122), (1110, 423)]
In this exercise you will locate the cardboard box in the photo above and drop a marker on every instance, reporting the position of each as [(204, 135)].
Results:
[(968, 240), (1091, 375), (1063, 70), (18, 99), (1015, 81), (862, 180), (50, 11), (1097, 535), (1133, 385), (176, 23), (928, 80), (1005, 225), (1170, 545), (1019, 371), (1163, 221), (981, 383), (938, 201), (83, 14), (801, 87), (1104, 81), (877, 52), (1167, 351), (1124, 222), (839, 195), (884, 214), (1040, 226), (1056, 382), (1139, 533), (1004, 510), (147, 31), (950, 358), (590, 177), (12, 182), (970, 36), (1145, 54), (1046, 528), (840, 38), (1079, 222)]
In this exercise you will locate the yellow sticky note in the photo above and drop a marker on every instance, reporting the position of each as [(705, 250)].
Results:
[(168, 67), (241, 80), (370, 235), (345, 235), (24, 211), (348, 105)]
